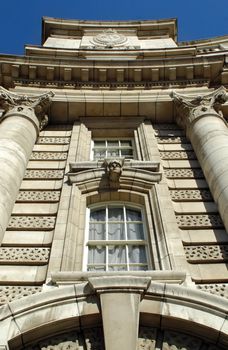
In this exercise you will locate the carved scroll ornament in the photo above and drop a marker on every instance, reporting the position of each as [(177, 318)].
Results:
[(190, 108), (39, 103)]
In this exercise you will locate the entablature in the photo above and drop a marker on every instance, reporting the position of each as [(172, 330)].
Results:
[(119, 107), (117, 74)]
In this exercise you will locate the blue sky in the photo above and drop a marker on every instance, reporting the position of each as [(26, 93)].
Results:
[(21, 19)]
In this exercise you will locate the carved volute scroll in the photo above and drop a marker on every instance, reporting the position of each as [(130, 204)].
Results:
[(190, 108), (10, 101)]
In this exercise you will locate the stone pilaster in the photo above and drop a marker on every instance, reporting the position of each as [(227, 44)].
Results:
[(22, 119), (206, 128)]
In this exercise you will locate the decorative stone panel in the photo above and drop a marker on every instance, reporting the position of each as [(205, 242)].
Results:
[(172, 139), (220, 289), (31, 223), (11, 255), (147, 338), (191, 195), (88, 339), (175, 340), (38, 196), (156, 339), (53, 140), (44, 174), (48, 156), (205, 253), (184, 173), (178, 155), (10, 293), (200, 221)]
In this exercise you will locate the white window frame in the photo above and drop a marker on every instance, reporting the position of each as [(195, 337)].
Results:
[(133, 147), (106, 243)]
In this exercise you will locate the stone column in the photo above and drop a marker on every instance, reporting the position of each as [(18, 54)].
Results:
[(206, 128), (20, 123)]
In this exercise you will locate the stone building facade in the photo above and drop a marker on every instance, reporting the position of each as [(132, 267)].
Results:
[(114, 189)]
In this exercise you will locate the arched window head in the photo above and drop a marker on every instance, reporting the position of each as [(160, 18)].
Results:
[(116, 239)]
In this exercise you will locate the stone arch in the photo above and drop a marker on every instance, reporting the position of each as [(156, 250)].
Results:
[(170, 315)]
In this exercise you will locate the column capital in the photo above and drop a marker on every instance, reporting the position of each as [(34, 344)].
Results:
[(11, 102), (190, 108)]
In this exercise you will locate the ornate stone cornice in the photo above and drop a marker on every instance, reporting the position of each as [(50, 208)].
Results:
[(190, 108), (40, 103)]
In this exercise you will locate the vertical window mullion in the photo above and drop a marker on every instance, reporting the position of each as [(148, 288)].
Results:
[(126, 237), (106, 238), (106, 148)]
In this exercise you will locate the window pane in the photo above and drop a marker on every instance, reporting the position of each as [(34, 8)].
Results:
[(133, 215), (96, 255), (126, 152), (96, 268), (117, 268), (112, 143), (116, 255), (126, 143), (137, 254), (113, 153), (115, 214), (98, 153), (138, 268), (96, 231), (97, 215), (116, 231), (99, 143), (135, 231)]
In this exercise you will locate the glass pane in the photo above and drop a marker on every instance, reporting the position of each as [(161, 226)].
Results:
[(117, 268), (96, 255), (115, 214), (99, 143), (97, 215), (135, 231), (112, 153), (116, 231), (137, 254), (96, 231), (97, 154), (96, 268), (112, 143), (138, 268), (133, 215), (126, 152), (126, 143), (116, 255)]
